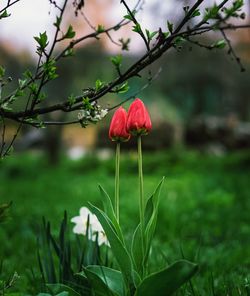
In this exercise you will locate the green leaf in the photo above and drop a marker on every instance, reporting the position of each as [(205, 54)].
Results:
[(151, 213), (195, 13), (55, 289), (27, 74), (150, 35), (2, 71), (42, 40), (100, 29), (117, 60), (219, 44), (168, 280), (68, 53), (33, 87), (4, 212), (170, 27), (19, 93), (70, 33), (111, 277), (137, 28), (71, 100), (50, 69), (121, 89), (98, 84), (118, 248), (179, 40), (22, 82), (4, 14), (109, 210), (129, 16), (211, 13), (97, 284), (136, 249), (57, 23)]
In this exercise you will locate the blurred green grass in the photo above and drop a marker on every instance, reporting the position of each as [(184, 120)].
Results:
[(204, 210)]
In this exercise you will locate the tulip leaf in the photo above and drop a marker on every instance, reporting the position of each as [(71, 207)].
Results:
[(118, 248), (99, 287), (136, 249), (60, 289), (111, 277), (109, 210), (168, 280), (151, 212)]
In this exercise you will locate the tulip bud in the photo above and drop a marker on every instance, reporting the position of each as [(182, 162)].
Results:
[(138, 122), (118, 126)]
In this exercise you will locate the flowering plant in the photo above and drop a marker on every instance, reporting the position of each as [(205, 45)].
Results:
[(132, 277)]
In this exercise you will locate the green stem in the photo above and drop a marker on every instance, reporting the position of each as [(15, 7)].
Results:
[(117, 180), (141, 200)]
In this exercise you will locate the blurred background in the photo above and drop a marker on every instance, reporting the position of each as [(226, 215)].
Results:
[(200, 109)]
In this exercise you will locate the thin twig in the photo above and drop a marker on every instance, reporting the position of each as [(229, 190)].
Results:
[(232, 52), (132, 15), (9, 4)]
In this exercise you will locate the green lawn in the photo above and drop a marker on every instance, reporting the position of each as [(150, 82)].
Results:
[(204, 211)]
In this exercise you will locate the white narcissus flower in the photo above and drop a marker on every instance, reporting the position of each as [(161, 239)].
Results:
[(95, 228)]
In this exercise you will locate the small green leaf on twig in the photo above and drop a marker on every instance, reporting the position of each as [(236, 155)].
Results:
[(195, 13), (42, 40), (137, 28), (117, 60), (33, 88), (98, 84), (57, 23), (86, 104), (71, 100), (150, 35), (170, 27), (50, 69), (219, 44), (22, 82), (122, 88), (2, 71), (27, 74), (100, 29), (129, 16), (211, 12), (4, 14), (68, 53), (70, 33), (179, 40)]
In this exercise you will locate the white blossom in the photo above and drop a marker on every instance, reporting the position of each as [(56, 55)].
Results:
[(95, 229), (95, 115), (103, 113)]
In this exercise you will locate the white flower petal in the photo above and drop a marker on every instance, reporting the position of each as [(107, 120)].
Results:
[(102, 239), (85, 212), (76, 219), (79, 229)]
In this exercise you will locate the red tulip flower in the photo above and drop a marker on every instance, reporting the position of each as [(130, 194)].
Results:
[(139, 122), (118, 126)]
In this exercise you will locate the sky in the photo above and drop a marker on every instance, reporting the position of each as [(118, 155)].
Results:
[(29, 17)]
